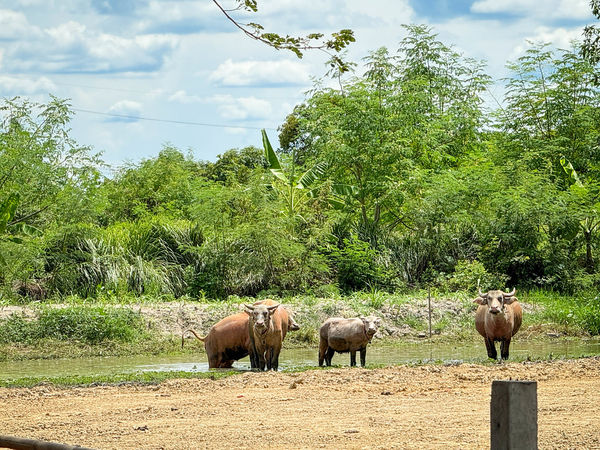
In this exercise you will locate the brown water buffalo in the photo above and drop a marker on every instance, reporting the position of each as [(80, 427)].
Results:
[(346, 335), (498, 318), (268, 325), (229, 340), (226, 342)]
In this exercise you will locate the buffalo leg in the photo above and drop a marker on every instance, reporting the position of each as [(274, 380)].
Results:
[(504, 348), (269, 358), (253, 359), (261, 360), (491, 348), (353, 358), (363, 356), (275, 359), (253, 353), (323, 346), (329, 355)]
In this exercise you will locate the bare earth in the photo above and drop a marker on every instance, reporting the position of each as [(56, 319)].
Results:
[(395, 407)]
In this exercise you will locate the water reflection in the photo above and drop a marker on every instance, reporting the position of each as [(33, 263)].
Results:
[(291, 358)]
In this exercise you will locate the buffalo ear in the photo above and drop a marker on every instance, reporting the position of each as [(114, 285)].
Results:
[(248, 309), (480, 301), (272, 309), (509, 300)]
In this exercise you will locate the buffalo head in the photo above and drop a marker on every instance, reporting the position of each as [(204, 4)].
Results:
[(495, 300), (371, 324), (260, 316)]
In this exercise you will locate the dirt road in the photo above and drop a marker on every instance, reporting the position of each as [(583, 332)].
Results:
[(396, 407)]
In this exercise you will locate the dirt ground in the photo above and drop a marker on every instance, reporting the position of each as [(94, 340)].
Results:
[(396, 407)]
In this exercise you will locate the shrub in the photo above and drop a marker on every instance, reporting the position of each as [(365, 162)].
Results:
[(357, 266), (84, 324), (468, 275)]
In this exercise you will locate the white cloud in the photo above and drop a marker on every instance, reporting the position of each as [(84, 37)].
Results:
[(242, 108), (181, 17), (13, 25), (254, 73), (25, 86), (72, 47), (130, 110), (182, 97), (556, 9), (558, 37)]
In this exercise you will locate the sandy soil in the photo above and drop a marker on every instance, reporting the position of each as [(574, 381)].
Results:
[(396, 407)]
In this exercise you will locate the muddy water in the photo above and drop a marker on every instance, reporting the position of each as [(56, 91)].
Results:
[(290, 358)]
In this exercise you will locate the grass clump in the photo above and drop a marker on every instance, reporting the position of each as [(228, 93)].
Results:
[(578, 313)]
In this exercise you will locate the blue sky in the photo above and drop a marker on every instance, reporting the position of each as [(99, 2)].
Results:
[(201, 86)]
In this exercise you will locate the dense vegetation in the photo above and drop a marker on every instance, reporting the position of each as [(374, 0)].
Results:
[(398, 178)]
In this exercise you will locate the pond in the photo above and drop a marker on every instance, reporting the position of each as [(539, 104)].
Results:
[(299, 357)]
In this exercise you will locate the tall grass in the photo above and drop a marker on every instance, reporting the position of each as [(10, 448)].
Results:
[(580, 312), (138, 258)]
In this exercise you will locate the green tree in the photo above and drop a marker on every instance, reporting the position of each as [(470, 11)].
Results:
[(590, 49), (236, 166), (410, 113), (162, 185), (54, 177)]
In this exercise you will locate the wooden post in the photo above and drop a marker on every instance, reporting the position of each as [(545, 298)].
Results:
[(513, 415), (429, 308), (34, 444)]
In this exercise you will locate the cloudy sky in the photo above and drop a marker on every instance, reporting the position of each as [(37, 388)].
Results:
[(141, 74)]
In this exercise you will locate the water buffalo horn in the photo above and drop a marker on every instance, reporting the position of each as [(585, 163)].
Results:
[(481, 294), (510, 294)]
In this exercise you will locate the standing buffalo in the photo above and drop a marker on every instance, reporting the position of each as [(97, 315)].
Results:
[(268, 324), (498, 318), (346, 335), (229, 340)]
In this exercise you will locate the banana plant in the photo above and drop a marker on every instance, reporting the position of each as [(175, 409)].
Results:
[(588, 197), (293, 188)]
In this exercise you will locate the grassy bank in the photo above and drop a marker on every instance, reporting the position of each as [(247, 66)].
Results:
[(75, 327)]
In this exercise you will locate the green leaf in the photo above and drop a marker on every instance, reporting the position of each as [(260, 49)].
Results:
[(570, 171), (336, 204), (344, 190), (26, 229), (311, 175), (270, 153), (271, 157), (7, 210)]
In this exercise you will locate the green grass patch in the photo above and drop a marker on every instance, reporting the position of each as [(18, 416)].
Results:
[(116, 379), (576, 314)]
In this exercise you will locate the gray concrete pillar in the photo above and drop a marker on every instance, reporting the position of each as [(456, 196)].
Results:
[(513, 415)]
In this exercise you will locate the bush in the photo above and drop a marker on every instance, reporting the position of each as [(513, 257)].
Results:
[(468, 275), (357, 266), (84, 324)]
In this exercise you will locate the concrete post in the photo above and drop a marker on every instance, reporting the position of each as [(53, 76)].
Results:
[(513, 415)]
